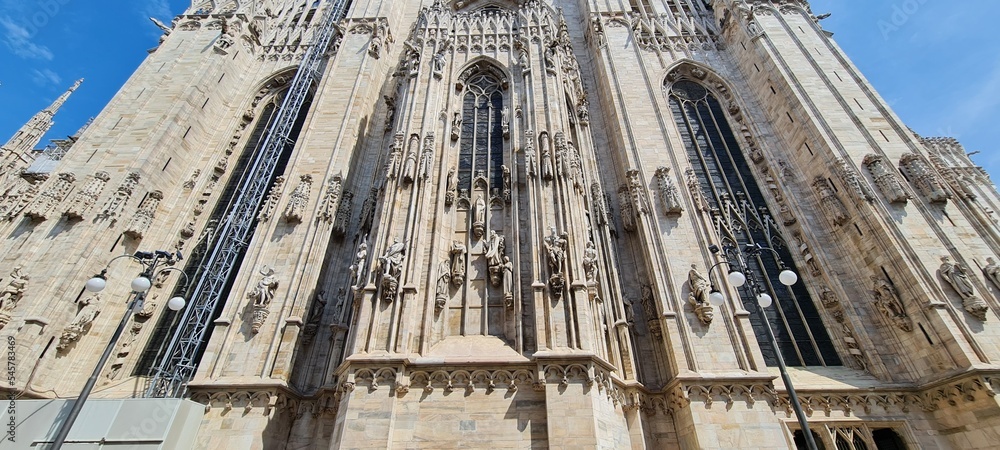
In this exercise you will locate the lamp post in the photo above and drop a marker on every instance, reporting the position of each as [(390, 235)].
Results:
[(150, 262), (739, 277)]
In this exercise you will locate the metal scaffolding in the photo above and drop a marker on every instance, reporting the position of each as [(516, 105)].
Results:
[(177, 365)]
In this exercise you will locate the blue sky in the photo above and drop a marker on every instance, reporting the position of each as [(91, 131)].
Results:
[(936, 62)]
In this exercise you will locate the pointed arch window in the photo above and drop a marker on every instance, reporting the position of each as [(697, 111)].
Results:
[(481, 146), (742, 217)]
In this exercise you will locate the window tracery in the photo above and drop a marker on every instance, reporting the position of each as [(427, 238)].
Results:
[(742, 217), (481, 132)]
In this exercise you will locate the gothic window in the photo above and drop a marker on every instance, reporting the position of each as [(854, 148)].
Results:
[(481, 150), (742, 217)]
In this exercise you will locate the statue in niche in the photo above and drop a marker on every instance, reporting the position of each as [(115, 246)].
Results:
[(523, 53), (555, 247), (14, 290), (669, 198), (456, 126), (546, 157), (958, 278), (457, 263), (314, 317), (992, 271), (263, 293), (357, 269), (505, 122), (886, 179), (700, 290), (449, 195), (392, 165), (508, 282), (479, 218), (443, 285), (835, 208), (440, 60), (391, 264), (583, 112), (90, 308), (506, 192), (590, 262), (390, 111), (550, 59), (888, 302), (496, 245)]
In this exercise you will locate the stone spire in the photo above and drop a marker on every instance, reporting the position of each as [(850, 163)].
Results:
[(18, 150)]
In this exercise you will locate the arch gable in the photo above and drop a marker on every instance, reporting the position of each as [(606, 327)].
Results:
[(483, 64)]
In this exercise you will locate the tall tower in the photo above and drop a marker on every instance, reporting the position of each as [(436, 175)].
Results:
[(17, 152), (509, 224)]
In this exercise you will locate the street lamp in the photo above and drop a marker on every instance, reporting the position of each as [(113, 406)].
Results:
[(740, 276), (150, 262)]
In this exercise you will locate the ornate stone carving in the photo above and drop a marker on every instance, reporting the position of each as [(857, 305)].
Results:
[(390, 112), (83, 200), (479, 218), (113, 208), (358, 268), (90, 308), (443, 288), (505, 191), (648, 303), (314, 318), (590, 262), (992, 271), (885, 179), (543, 143), (529, 154), (456, 126), (451, 189), (48, 199), (380, 38), (508, 282), (698, 298), (272, 199), (627, 208), (344, 212), (391, 265), (888, 302), (555, 251), (16, 198), (262, 295), (144, 216), (410, 163), (441, 60), (394, 162), (331, 199), (427, 158), (694, 187), (496, 245), (12, 294), (830, 202), (598, 204), (191, 182), (299, 199), (924, 178), (669, 198), (505, 122), (638, 192), (457, 263), (958, 277)]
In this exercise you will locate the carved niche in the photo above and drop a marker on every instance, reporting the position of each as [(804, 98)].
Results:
[(271, 201), (144, 216), (296, 207), (957, 276), (113, 207), (835, 208), (262, 294), (83, 200), (923, 178), (47, 200), (331, 199), (890, 305), (885, 179), (669, 197)]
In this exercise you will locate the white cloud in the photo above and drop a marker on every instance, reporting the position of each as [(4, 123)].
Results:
[(159, 9), (18, 40), (45, 76)]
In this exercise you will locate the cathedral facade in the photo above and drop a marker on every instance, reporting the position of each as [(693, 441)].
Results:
[(512, 224)]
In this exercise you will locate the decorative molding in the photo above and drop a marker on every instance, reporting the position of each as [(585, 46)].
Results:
[(143, 218)]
